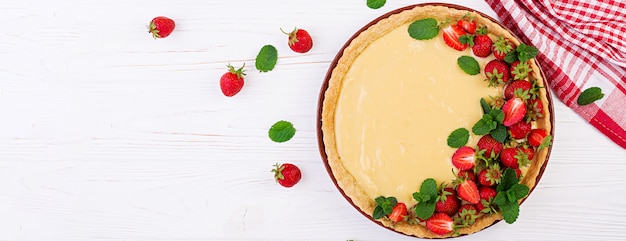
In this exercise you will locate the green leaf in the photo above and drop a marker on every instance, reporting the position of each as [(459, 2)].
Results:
[(500, 133), (500, 199), (509, 178), (510, 212), (510, 195), (282, 131), (425, 210), (266, 59), (484, 125), (424, 29), (421, 197), (590, 95), (458, 138), (497, 115), (510, 57), (520, 191), (376, 4), (468, 64), (429, 187), (526, 52), (380, 200), (485, 106), (378, 213)]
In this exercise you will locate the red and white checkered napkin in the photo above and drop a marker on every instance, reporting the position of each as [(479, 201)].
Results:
[(581, 44)]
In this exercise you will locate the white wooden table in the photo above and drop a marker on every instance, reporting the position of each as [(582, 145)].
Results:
[(107, 134)]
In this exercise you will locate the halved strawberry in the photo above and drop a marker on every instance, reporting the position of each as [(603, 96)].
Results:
[(520, 129), (490, 145), (514, 111), (398, 212), (464, 158), (447, 202), (440, 223), (468, 191), (538, 138), (467, 23), (515, 86), (451, 34)]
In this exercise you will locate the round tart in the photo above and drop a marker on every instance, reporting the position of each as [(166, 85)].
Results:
[(389, 107)]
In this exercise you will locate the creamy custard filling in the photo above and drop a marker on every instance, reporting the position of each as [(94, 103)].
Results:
[(398, 103)]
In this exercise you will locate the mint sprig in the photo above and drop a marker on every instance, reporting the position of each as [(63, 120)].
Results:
[(522, 53), (488, 122), (266, 59), (589, 96), (384, 206), (282, 131), (426, 198), (510, 191), (424, 29), (458, 138), (468, 64), (376, 4)]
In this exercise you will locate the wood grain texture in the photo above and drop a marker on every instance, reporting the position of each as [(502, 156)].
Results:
[(107, 134)]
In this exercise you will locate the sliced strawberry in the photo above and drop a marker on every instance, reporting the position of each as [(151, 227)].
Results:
[(468, 191), (464, 158), (451, 34), (538, 137), (467, 23), (515, 86), (447, 202), (490, 145), (514, 111), (398, 212), (440, 223), (520, 129)]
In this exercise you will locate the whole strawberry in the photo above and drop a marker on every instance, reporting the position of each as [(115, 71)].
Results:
[(287, 174), (501, 47), (515, 86), (447, 202), (232, 81), (482, 43), (497, 72), (161, 27), (491, 146), (299, 40), (467, 214), (490, 176), (520, 70), (520, 129)]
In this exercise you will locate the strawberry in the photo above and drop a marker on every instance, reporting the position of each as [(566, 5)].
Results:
[(447, 202), (468, 191), (514, 111), (520, 70), (161, 27), (464, 158), (530, 152), (287, 174), (482, 43), (520, 129), (299, 40), (538, 138), (232, 81), (497, 72), (398, 213), (491, 146), (451, 34), (518, 173), (508, 157), (467, 214), (440, 223), (467, 175), (501, 47), (490, 176), (487, 194), (467, 23), (515, 87), (535, 110)]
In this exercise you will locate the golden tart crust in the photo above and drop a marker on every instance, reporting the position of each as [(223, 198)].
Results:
[(344, 179)]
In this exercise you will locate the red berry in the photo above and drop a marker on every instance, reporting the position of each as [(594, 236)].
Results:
[(508, 159), (398, 212), (287, 174), (482, 46), (520, 70), (501, 47), (490, 145), (490, 176), (464, 158), (468, 191), (451, 34), (161, 27), (447, 202), (468, 24), (487, 193), (467, 214), (232, 81), (515, 86), (520, 129), (299, 40), (514, 111), (467, 175), (536, 137), (497, 72), (440, 223)]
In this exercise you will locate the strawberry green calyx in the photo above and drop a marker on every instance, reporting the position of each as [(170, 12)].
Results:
[(278, 172), (495, 78), (239, 72), (502, 45), (154, 31), (293, 37), (482, 30), (521, 70), (522, 158)]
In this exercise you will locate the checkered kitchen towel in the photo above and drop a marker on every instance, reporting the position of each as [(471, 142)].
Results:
[(581, 44)]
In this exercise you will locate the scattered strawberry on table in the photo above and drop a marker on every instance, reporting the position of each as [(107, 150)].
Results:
[(287, 174), (299, 40), (232, 81), (161, 27)]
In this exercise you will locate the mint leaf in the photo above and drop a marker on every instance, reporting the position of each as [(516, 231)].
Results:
[(429, 187), (590, 95), (266, 59), (509, 178), (526, 52), (282, 131), (458, 138), (425, 210), (497, 115), (380, 200), (376, 4), (520, 191), (424, 29), (510, 212), (485, 106), (484, 125), (500, 199), (510, 57), (468, 64), (378, 213), (500, 133)]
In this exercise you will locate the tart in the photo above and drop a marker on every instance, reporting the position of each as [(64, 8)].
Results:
[(389, 106)]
